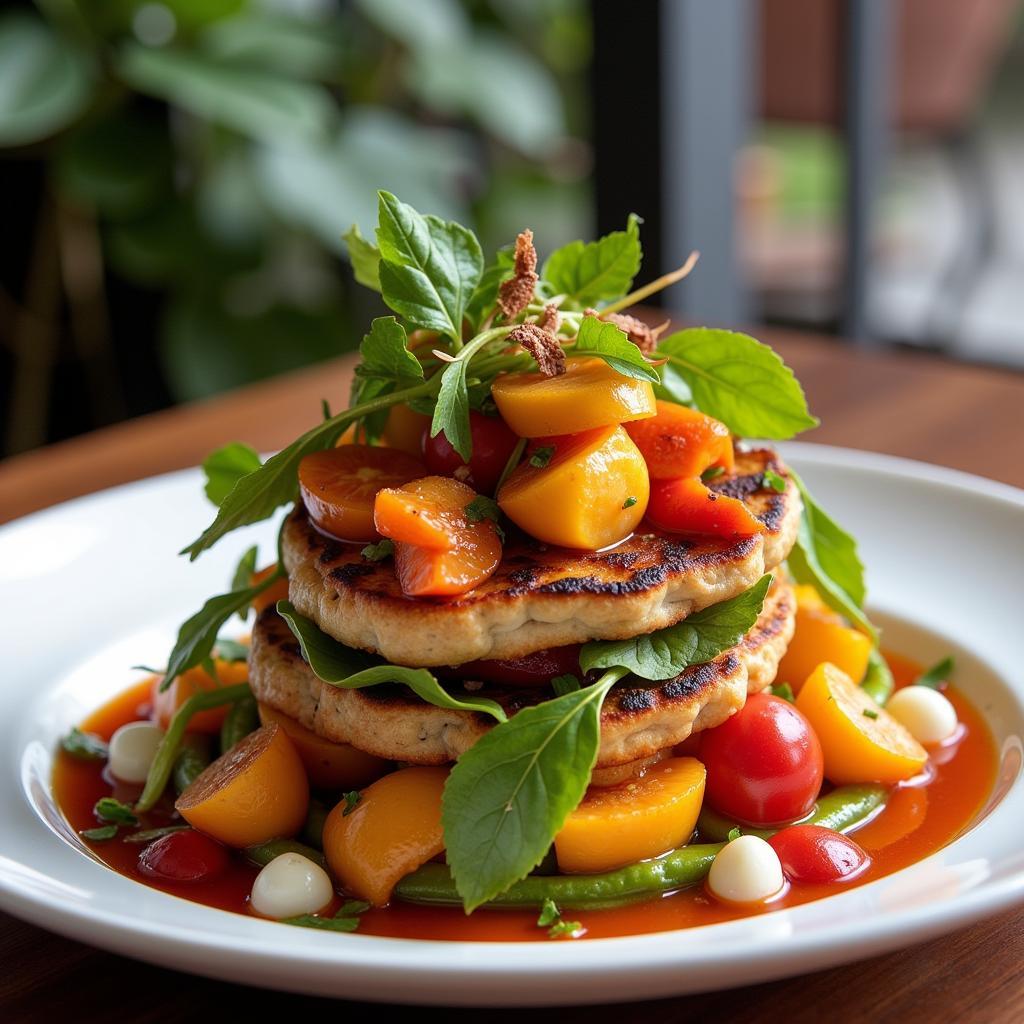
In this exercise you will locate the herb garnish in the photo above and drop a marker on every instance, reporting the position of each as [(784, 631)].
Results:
[(226, 466), (937, 674), (566, 930), (712, 473), (345, 920), (84, 745), (629, 502), (541, 456), (734, 834), (549, 914), (147, 835), (351, 798), (774, 481), (349, 669), (99, 834), (482, 508), (869, 713), (113, 811), (785, 691), (380, 551)]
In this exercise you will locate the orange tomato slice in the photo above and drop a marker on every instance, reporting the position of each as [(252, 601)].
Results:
[(273, 594), (678, 441), (339, 486)]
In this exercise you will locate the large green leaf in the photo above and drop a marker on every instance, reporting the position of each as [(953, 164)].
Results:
[(256, 103), (45, 82), (429, 267), (608, 342), (740, 381), (595, 272)]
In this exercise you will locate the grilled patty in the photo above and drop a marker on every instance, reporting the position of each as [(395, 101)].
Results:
[(541, 596), (639, 718)]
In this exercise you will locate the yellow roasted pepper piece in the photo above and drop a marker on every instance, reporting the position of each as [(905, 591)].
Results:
[(582, 491), (645, 817), (393, 829), (861, 741), (589, 394), (822, 635)]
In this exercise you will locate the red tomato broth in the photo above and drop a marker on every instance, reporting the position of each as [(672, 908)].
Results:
[(918, 820)]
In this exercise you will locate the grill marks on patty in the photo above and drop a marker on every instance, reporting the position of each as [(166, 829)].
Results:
[(541, 596), (638, 719)]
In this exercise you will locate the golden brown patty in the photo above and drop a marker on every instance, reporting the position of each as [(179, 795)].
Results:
[(541, 596), (639, 718)]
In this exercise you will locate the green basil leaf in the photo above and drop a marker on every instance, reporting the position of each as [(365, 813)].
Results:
[(549, 914), (429, 267), (341, 666), (595, 272), (364, 257), (510, 793), (825, 555), (606, 341), (378, 552), (485, 295), (99, 834), (225, 467), (243, 576), (230, 650), (110, 810), (700, 637), (936, 675), (385, 353), (482, 508), (739, 381), (84, 746), (451, 414), (198, 634)]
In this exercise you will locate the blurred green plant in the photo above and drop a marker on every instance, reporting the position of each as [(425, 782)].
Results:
[(215, 151)]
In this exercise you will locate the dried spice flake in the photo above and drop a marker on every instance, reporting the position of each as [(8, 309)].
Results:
[(544, 347), (514, 295)]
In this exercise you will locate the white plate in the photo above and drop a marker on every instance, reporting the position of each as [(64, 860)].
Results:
[(93, 586)]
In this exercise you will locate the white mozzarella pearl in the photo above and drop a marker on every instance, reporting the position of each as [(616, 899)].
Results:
[(927, 714), (132, 749), (289, 885), (747, 870)]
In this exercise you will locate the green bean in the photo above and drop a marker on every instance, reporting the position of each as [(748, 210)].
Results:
[(878, 682), (263, 854), (242, 718), (840, 811), (313, 829), (432, 883), (163, 762), (192, 760)]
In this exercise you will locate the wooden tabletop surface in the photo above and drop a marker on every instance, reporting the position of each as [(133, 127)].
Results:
[(906, 404)]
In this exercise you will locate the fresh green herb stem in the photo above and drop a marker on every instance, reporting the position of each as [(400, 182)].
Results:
[(657, 285), (841, 810), (513, 460), (878, 682), (242, 718), (163, 763)]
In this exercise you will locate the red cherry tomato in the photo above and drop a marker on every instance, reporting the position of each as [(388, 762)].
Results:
[(493, 442), (537, 669), (764, 764), (810, 853), (187, 856)]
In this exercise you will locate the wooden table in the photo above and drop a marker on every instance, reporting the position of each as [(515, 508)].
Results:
[(904, 404)]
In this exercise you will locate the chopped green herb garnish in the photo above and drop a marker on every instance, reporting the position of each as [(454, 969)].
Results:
[(565, 684), (542, 456), (351, 799), (935, 676), (482, 508), (99, 834), (549, 914), (566, 930), (734, 833), (84, 746), (147, 835), (774, 481), (109, 809), (352, 908), (231, 650), (629, 502), (712, 474), (379, 551), (868, 713), (785, 691)]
